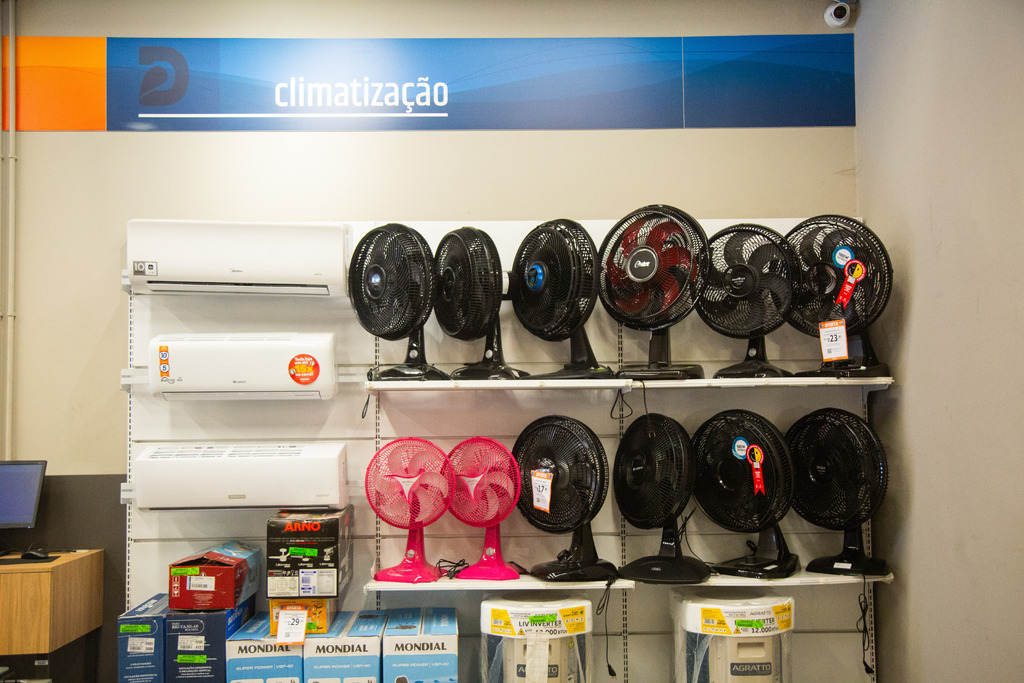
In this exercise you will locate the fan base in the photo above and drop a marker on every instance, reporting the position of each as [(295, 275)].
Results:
[(843, 369), (578, 372), (407, 371), (657, 569), (754, 567), (488, 369), (651, 372), (600, 570), (489, 570), (409, 571), (752, 368), (849, 565)]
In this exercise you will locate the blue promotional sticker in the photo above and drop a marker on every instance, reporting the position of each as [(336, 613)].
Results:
[(841, 256), (739, 447)]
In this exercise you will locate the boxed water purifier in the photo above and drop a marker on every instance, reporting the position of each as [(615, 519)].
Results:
[(140, 642), (421, 644), (254, 656), (349, 651)]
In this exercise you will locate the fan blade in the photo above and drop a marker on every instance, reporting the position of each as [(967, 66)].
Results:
[(732, 251), (500, 483), (767, 258), (836, 237), (429, 497)]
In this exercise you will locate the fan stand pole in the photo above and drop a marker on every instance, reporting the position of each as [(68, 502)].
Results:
[(491, 566), (582, 361), (579, 562), (669, 565), (415, 366), (756, 364), (413, 568), (493, 364), (771, 560), (659, 362), (852, 561)]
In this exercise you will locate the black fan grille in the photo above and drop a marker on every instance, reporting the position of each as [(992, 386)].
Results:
[(750, 283), (656, 296), (840, 469), (653, 474), (573, 453), (815, 241), (554, 279), (467, 269), (725, 483), (391, 280)]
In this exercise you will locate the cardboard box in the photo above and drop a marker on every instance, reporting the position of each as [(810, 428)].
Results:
[(320, 612), (254, 656), (196, 644), (140, 642), (217, 578), (349, 651), (309, 554), (422, 644)]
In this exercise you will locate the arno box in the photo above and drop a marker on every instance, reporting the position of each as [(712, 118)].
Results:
[(254, 656), (349, 651), (196, 642), (309, 554), (422, 644), (216, 578), (140, 642)]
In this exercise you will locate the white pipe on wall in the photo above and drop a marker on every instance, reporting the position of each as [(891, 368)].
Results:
[(7, 374)]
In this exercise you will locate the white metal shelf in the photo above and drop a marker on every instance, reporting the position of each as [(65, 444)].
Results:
[(869, 383), (800, 578), (523, 583)]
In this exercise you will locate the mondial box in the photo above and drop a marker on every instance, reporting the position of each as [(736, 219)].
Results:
[(309, 554), (349, 651), (196, 645), (422, 644), (254, 656), (140, 642)]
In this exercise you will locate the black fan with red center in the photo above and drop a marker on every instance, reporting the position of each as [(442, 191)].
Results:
[(654, 266)]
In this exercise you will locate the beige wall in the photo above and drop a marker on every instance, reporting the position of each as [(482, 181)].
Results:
[(76, 191), (940, 144)]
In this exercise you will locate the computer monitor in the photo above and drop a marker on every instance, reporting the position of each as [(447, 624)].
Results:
[(21, 482)]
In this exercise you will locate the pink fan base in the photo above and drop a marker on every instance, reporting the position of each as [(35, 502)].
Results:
[(413, 568), (490, 567)]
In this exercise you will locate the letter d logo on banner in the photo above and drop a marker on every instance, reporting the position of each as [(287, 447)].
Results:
[(151, 92)]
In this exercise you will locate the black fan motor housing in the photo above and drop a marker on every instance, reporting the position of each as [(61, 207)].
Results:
[(653, 474)]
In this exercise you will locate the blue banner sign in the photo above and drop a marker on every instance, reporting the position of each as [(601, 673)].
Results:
[(217, 84)]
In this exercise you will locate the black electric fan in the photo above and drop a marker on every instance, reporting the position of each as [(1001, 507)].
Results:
[(654, 265), (391, 281), (554, 288), (845, 275), (564, 471), (749, 291), (470, 289), (745, 484), (653, 478), (840, 481)]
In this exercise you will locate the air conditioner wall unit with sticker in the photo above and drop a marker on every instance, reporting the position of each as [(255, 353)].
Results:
[(242, 366), (186, 475), (225, 257)]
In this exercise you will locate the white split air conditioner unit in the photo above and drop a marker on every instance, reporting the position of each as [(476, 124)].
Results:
[(242, 366), (211, 475), (216, 257)]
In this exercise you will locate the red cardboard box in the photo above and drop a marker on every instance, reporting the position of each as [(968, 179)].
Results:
[(218, 578)]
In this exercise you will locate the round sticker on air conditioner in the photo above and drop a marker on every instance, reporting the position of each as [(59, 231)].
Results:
[(303, 369)]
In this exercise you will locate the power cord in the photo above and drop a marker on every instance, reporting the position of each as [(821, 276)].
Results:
[(602, 607), (449, 568), (862, 625)]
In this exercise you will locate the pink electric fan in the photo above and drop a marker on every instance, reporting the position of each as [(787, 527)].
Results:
[(487, 485), (409, 484)]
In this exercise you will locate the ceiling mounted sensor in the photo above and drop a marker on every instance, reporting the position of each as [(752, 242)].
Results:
[(839, 13)]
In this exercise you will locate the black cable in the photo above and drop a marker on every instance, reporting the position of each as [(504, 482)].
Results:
[(862, 625), (620, 397), (602, 607), (449, 568), (683, 536)]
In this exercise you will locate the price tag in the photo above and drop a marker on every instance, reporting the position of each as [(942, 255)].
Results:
[(833, 340), (541, 482), (291, 626)]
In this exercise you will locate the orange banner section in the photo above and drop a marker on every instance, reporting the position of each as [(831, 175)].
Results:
[(61, 83)]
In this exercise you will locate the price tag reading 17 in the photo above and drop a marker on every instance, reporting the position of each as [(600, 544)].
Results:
[(540, 481)]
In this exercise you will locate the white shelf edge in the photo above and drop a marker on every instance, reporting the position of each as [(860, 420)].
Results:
[(375, 387), (800, 578), (521, 584)]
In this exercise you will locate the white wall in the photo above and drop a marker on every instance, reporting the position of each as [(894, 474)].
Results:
[(940, 145)]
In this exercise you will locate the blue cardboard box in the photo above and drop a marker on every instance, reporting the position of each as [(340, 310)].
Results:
[(140, 642), (255, 656), (196, 645), (349, 651), (422, 644)]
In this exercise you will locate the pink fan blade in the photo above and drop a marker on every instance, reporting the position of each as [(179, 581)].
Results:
[(429, 498), (501, 485)]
